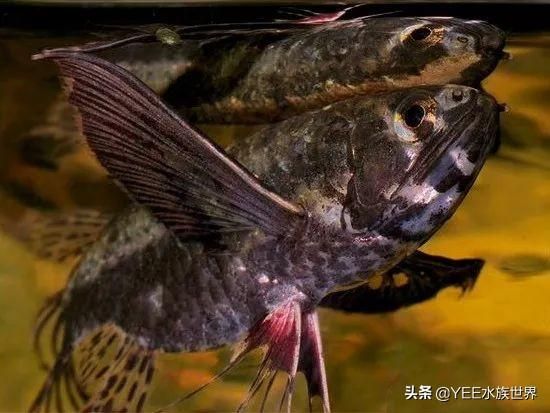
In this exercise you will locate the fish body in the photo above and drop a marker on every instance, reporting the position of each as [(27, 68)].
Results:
[(359, 186), (335, 248)]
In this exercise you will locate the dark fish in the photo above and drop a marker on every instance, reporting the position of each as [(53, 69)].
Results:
[(249, 82), (241, 263)]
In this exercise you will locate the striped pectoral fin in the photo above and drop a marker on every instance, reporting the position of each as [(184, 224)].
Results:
[(188, 183), (417, 278), (115, 371), (59, 236)]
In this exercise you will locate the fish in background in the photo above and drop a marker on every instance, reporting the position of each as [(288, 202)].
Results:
[(261, 75), (241, 247)]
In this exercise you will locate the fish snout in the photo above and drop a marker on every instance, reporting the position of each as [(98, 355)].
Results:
[(488, 104), (491, 40)]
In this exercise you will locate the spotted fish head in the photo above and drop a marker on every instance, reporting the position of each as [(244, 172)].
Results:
[(434, 50), (410, 176)]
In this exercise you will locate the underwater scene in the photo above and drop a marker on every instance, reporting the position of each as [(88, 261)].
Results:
[(479, 340)]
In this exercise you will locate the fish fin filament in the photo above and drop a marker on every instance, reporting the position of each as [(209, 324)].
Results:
[(312, 362), (291, 342), (106, 370)]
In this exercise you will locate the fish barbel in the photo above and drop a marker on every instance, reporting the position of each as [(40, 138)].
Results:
[(341, 195)]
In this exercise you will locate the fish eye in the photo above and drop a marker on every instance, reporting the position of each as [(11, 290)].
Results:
[(422, 33), (457, 95), (414, 119), (414, 115)]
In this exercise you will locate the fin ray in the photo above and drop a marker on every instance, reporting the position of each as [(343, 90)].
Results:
[(185, 179)]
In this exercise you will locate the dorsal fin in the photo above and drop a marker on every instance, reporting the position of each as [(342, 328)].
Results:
[(188, 182), (59, 235)]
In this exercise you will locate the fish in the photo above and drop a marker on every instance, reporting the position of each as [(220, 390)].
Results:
[(241, 252)]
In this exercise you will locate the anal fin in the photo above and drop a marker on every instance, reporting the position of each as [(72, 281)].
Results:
[(417, 278)]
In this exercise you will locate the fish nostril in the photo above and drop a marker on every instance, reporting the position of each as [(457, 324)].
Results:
[(503, 107), (457, 95)]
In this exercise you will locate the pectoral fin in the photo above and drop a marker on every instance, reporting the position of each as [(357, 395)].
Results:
[(187, 182), (417, 278)]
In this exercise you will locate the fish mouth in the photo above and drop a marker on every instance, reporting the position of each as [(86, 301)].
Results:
[(475, 133), (492, 45)]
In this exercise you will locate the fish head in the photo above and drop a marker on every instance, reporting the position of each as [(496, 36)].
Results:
[(437, 50), (412, 173)]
